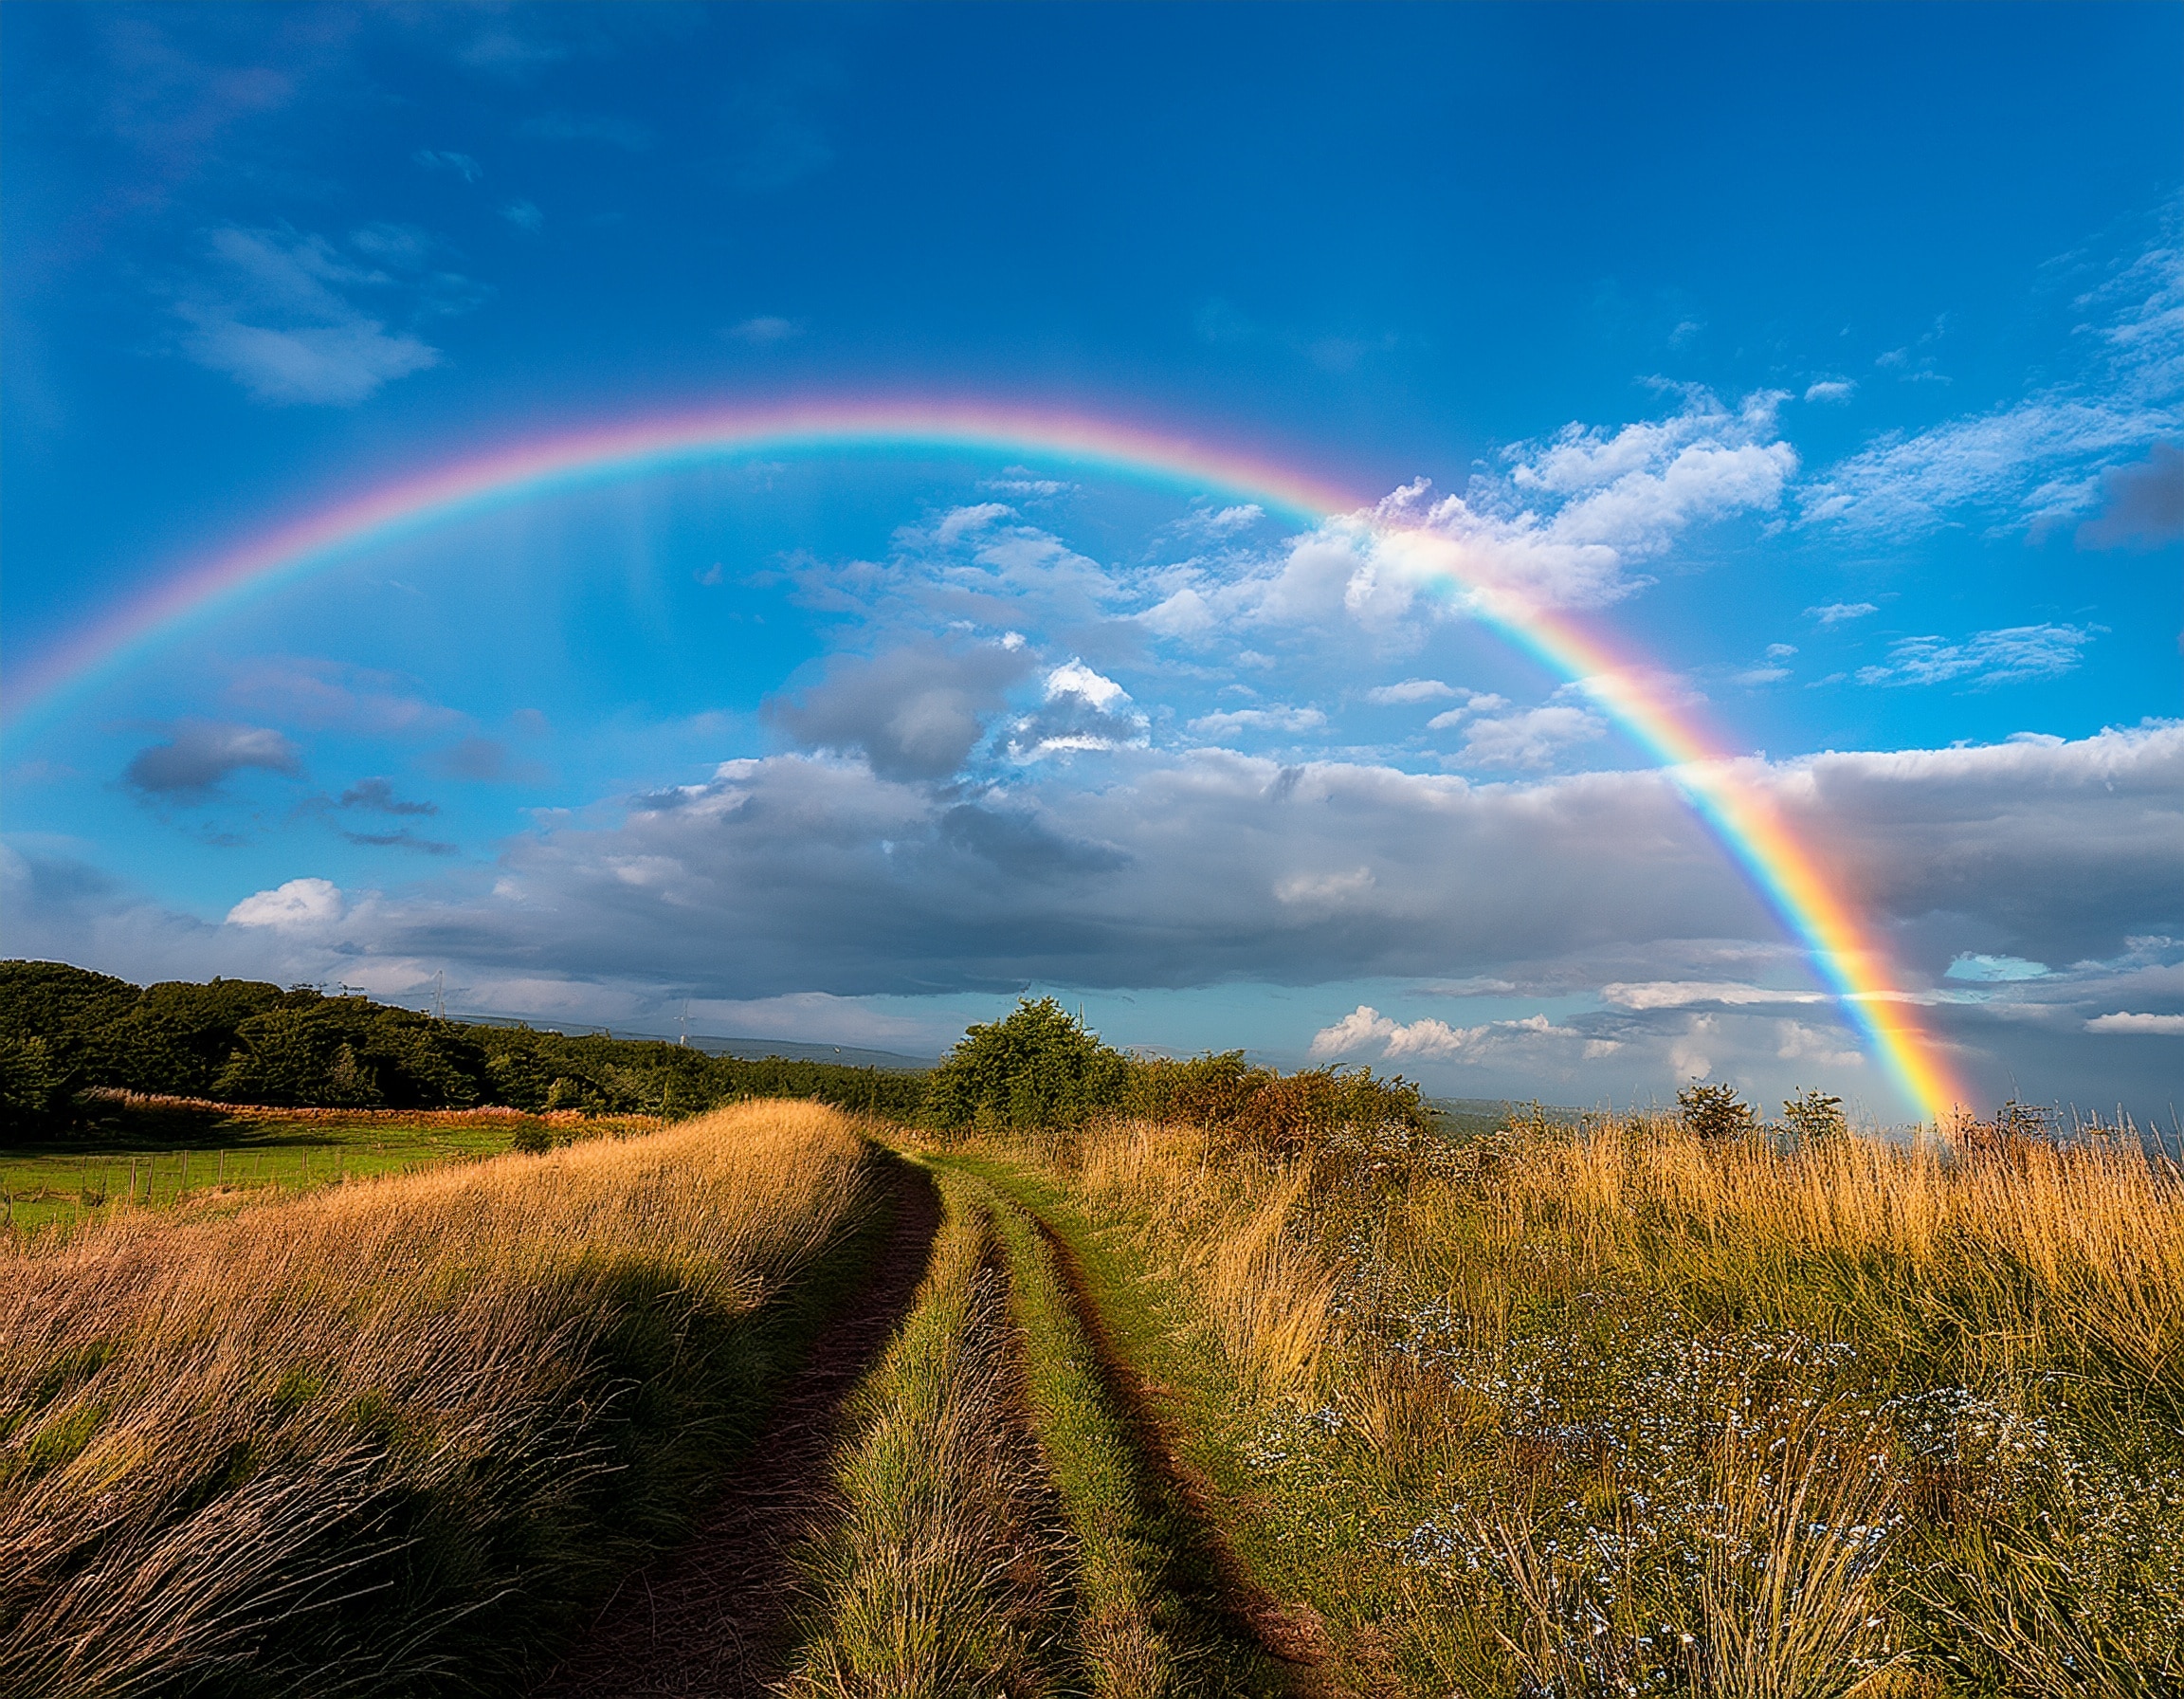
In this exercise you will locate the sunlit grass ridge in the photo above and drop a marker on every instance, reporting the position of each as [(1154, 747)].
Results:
[(314, 1439)]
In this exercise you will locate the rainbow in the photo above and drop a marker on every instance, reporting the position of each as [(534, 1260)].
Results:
[(1808, 905)]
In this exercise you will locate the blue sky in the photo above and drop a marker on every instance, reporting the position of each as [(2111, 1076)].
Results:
[(1843, 347)]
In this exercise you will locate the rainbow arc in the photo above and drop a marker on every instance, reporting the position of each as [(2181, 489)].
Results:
[(1812, 908)]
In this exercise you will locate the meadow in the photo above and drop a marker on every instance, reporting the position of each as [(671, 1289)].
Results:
[(1619, 1409), (1200, 1381), (145, 1152)]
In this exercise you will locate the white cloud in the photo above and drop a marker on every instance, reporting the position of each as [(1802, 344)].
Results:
[(1680, 993), (1994, 970), (1566, 524), (1277, 718), (1798, 1042), (1365, 1028), (1832, 389), (1533, 738), (1835, 613), (1413, 690), (301, 903), (1480, 701), (2170, 1026), (525, 216), (1083, 712), (2011, 655), (2043, 458), (958, 523), (275, 313)]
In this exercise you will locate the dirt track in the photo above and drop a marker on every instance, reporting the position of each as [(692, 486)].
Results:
[(711, 1618)]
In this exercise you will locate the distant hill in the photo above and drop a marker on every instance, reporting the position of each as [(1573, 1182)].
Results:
[(1468, 1117), (844, 1055)]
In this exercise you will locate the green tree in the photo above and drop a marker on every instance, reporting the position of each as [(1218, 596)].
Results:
[(1038, 1068), (36, 1091), (1815, 1116), (1714, 1112)]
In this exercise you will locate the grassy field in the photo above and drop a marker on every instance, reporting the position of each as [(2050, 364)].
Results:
[(388, 1437), (149, 1153), (1577, 1407), (1608, 1410)]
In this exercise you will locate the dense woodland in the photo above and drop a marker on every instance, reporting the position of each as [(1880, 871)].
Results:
[(63, 1030), (66, 1031)]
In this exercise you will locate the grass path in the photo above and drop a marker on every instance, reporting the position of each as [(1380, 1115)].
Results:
[(1014, 1514), (711, 1619)]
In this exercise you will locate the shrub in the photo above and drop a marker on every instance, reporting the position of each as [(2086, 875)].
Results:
[(1813, 1115), (1714, 1112)]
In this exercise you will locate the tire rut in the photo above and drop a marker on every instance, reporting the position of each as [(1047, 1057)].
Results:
[(712, 1618), (1293, 1637)]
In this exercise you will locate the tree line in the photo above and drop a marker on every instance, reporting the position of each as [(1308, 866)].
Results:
[(65, 1029)]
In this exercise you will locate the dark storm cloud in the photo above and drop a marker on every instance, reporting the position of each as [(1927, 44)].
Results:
[(188, 768), (2143, 504), (914, 713)]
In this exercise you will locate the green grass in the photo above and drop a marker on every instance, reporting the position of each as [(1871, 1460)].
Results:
[(205, 1158)]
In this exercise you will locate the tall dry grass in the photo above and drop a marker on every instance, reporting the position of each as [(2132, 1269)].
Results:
[(1612, 1409), (382, 1438)]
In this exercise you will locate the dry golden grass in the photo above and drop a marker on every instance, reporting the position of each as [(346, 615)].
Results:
[(1614, 1409), (326, 1444)]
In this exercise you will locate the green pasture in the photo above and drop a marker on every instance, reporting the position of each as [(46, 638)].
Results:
[(207, 1159)]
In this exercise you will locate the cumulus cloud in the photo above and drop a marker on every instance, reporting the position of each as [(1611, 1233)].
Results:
[(2167, 1025), (190, 765), (1529, 739), (913, 713), (1083, 711), (1365, 1030), (299, 903), (1413, 690), (800, 873), (1562, 522), (1832, 389), (2011, 655), (276, 312)]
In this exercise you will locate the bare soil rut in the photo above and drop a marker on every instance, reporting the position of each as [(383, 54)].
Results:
[(712, 1618)]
